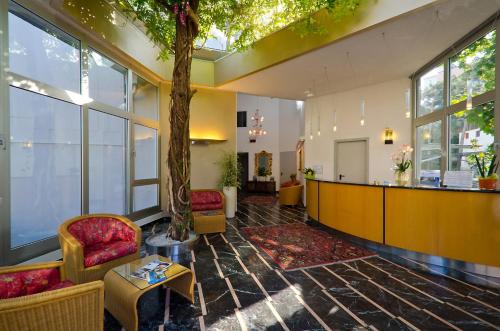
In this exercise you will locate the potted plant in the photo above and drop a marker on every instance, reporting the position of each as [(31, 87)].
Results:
[(229, 181), (262, 173), (402, 165), (309, 173), (487, 173)]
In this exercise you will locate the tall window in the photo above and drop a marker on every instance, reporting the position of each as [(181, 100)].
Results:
[(45, 165), (107, 163), (83, 135), (430, 92), (146, 184), (455, 101), (45, 133)]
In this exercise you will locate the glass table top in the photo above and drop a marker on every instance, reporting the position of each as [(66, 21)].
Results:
[(130, 270)]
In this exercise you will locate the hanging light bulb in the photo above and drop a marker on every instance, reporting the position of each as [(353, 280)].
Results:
[(311, 136), (468, 105), (319, 123), (362, 121), (334, 121), (407, 103)]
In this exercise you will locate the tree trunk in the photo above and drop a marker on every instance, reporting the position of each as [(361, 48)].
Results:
[(179, 145)]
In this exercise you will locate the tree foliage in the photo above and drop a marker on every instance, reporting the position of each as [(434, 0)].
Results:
[(242, 21)]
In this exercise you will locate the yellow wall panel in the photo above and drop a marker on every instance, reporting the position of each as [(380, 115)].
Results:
[(327, 204), (458, 225), (312, 198), (353, 209)]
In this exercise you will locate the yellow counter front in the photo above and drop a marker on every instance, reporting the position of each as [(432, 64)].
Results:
[(456, 224)]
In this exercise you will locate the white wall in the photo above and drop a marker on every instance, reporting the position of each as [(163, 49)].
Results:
[(289, 125), (282, 121), (385, 107)]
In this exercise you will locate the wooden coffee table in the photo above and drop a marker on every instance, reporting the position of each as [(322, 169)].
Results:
[(122, 291)]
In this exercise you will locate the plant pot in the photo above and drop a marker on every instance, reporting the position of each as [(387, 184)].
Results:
[(402, 178), (230, 200), (487, 183), (177, 251)]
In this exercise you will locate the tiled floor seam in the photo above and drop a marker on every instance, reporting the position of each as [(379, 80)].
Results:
[(301, 301), (406, 301), (439, 285), (361, 294), (443, 275)]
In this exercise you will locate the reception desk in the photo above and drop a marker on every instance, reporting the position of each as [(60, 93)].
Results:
[(455, 224)]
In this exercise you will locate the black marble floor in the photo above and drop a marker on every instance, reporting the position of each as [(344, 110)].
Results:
[(239, 288)]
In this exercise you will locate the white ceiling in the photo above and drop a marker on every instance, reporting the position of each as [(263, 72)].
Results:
[(391, 50)]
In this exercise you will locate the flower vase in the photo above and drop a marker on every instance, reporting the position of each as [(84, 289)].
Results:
[(402, 178)]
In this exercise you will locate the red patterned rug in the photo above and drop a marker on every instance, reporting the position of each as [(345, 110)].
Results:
[(259, 200), (294, 246)]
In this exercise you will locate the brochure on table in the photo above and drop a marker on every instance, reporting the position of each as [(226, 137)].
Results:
[(153, 272)]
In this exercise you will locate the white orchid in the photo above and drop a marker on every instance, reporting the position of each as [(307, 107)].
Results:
[(401, 159)]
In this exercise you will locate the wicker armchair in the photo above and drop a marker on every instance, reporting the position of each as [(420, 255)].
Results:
[(76, 308), (83, 238), (208, 211), (291, 195)]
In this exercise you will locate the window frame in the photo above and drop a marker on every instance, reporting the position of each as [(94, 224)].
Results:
[(8, 78), (444, 114)]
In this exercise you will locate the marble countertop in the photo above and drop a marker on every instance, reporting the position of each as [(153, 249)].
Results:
[(416, 187)]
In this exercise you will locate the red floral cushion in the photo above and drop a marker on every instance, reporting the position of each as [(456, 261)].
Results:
[(95, 230), (104, 252), (36, 281), (206, 200), (11, 285), (21, 283), (207, 206), (60, 285)]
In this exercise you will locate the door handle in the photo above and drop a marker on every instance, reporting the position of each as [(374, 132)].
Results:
[(341, 176)]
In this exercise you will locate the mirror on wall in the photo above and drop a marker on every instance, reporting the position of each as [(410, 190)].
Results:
[(263, 160)]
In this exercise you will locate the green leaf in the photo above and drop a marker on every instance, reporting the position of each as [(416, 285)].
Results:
[(242, 21)]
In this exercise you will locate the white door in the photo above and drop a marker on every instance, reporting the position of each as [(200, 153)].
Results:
[(351, 161)]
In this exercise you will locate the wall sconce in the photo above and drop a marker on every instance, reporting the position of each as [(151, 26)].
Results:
[(206, 141), (388, 136)]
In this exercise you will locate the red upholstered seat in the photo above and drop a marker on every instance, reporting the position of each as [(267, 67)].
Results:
[(21, 283), (96, 230), (103, 252), (206, 200), (103, 239), (11, 285)]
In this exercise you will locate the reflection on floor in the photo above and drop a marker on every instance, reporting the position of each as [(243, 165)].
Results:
[(239, 288)]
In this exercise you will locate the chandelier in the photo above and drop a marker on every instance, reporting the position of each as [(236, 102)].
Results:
[(256, 129)]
